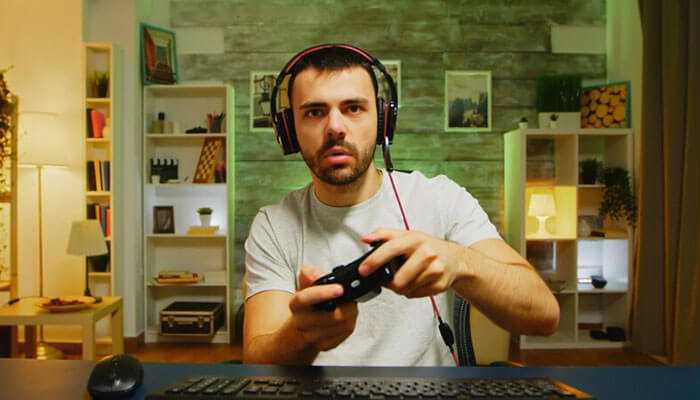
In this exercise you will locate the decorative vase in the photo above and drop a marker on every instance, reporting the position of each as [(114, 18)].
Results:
[(205, 219)]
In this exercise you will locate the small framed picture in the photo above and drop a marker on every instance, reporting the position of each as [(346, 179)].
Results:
[(163, 219), (393, 67), (158, 55), (606, 106), (468, 101), (261, 84)]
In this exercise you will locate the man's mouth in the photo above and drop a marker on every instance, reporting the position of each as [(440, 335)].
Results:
[(337, 155)]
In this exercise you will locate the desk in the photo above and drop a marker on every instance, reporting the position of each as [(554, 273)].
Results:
[(62, 379), (26, 312)]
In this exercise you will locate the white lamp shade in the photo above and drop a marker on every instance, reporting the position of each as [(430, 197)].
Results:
[(542, 205), (86, 239)]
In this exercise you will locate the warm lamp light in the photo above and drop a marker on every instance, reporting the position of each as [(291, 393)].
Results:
[(86, 239), (542, 207)]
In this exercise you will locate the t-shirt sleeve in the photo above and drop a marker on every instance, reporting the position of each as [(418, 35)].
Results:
[(266, 266), (465, 221)]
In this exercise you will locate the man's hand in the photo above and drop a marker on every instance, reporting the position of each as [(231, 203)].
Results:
[(322, 330), (431, 264)]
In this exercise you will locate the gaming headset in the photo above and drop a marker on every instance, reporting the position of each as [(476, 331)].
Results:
[(387, 111)]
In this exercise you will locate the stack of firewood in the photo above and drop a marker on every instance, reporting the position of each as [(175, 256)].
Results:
[(604, 107)]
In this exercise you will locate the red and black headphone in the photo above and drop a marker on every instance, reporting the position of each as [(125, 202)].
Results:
[(387, 111)]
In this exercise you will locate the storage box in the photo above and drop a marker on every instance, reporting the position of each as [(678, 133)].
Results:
[(191, 318)]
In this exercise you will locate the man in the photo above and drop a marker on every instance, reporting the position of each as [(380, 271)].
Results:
[(349, 204)]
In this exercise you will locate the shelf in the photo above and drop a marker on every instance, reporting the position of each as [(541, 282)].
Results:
[(591, 186), (559, 340), (98, 194), (184, 185), (585, 341), (576, 131), (186, 285), (100, 274), (98, 140), (550, 239), (98, 100), (610, 288), (183, 136), (181, 236), (598, 238)]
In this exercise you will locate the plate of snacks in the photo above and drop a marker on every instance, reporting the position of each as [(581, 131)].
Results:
[(66, 303)]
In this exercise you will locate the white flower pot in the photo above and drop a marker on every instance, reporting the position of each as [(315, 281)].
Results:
[(205, 219)]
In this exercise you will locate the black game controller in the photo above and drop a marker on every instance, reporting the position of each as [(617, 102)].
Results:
[(355, 287)]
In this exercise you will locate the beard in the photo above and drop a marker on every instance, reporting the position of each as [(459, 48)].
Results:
[(340, 175)]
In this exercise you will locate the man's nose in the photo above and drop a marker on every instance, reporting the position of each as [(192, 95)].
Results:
[(336, 124)]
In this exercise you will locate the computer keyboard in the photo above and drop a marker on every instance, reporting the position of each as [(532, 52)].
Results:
[(270, 387)]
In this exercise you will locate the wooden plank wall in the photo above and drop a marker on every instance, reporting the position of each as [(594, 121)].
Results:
[(508, 37)]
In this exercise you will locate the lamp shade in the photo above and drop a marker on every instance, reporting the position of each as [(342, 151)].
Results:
[(542, 205), (86, 239)]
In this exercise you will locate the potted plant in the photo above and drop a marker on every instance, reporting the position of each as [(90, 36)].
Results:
[(618, 199), (589, 171), (523, 123), (553, 121), (559, 94), (100, 81), (205, 215)]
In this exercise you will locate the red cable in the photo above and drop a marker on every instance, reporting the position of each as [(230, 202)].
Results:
[(436, 310)]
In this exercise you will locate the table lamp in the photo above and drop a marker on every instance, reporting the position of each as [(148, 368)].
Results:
[(86, 239), (542, 207)]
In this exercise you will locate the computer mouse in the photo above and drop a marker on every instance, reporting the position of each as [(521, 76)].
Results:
[(115, 377)]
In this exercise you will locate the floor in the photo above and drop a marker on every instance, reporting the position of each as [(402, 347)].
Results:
[(215, 353)]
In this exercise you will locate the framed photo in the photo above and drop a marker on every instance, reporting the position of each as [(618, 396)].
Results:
[(261, 84), (393, 67), (163, 219), (468, 101), (158, 56), (606, 106)]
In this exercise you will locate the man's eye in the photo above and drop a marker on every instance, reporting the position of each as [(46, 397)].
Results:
[(354, 109), (314, 113)]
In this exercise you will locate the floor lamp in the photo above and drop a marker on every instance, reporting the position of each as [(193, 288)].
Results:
[(39, 149)]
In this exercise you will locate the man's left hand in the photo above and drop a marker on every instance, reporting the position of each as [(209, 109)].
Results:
[(431, 266)]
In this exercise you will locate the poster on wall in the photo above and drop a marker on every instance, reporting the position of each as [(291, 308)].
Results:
[(158, 55), (393, 67), (606, 106), (468, 101), (261, 84)]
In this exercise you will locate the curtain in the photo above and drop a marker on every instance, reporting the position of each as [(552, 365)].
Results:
[(665, 318)]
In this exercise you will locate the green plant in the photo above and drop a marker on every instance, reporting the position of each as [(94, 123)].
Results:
[(589, 169), (100, 80), (204, 211), (560, 93), (618, 200)]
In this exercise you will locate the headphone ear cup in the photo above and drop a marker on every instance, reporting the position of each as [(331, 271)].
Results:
[(380, 120), (286, 135), (392, 115)]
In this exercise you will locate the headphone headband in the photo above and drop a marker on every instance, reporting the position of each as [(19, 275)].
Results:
[(283, 120)]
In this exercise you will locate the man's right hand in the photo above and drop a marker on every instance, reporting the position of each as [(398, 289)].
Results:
[(322, 330)]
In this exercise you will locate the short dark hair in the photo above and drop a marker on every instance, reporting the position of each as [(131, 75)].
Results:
[(331, 59)]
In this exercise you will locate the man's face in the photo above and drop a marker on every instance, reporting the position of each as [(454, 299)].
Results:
[(335, 117)]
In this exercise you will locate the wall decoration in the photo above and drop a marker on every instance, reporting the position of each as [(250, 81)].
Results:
[(158, 55), (261, 84), (393, 67), (163, 219), (209, 157), (468, 101), (606, 106)]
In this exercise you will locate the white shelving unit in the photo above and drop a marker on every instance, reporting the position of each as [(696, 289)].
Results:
[(103, 57), (547, 161), (188, 105)]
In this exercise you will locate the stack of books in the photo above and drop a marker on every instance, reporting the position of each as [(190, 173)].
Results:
[(98, 175), (177, 277), (103, 213)]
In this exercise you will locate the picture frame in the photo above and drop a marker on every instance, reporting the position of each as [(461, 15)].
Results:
[(393, 67), (261, 84), (163, 219), (606, 105), (467, 99), (158, 55)]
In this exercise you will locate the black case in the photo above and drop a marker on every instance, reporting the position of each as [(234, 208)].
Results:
[(191, 318)]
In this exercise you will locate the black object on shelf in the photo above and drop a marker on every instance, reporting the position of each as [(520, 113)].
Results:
[(598, 281), (598, 334), (196, 129), (166, 168), (615, 334)]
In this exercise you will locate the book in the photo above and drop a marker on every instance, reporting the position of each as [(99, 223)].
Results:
[(91, 183), (88, 122), (98, 123), (98, 176), (108, 222)]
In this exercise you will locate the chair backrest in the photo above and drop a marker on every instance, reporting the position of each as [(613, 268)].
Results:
[(492, 342)]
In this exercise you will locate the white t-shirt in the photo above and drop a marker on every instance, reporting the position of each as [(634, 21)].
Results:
[(391, 330)]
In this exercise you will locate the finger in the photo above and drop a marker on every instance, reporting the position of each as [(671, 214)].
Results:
[(405, 278), (309, 296), (402, 245), (431, 289), (382, 234), (308, 275), (314, 319)]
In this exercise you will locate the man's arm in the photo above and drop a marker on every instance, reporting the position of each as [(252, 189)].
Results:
[(281, 328), (490, 274)]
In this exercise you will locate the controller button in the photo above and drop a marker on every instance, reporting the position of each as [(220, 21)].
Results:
[(354, 284)]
